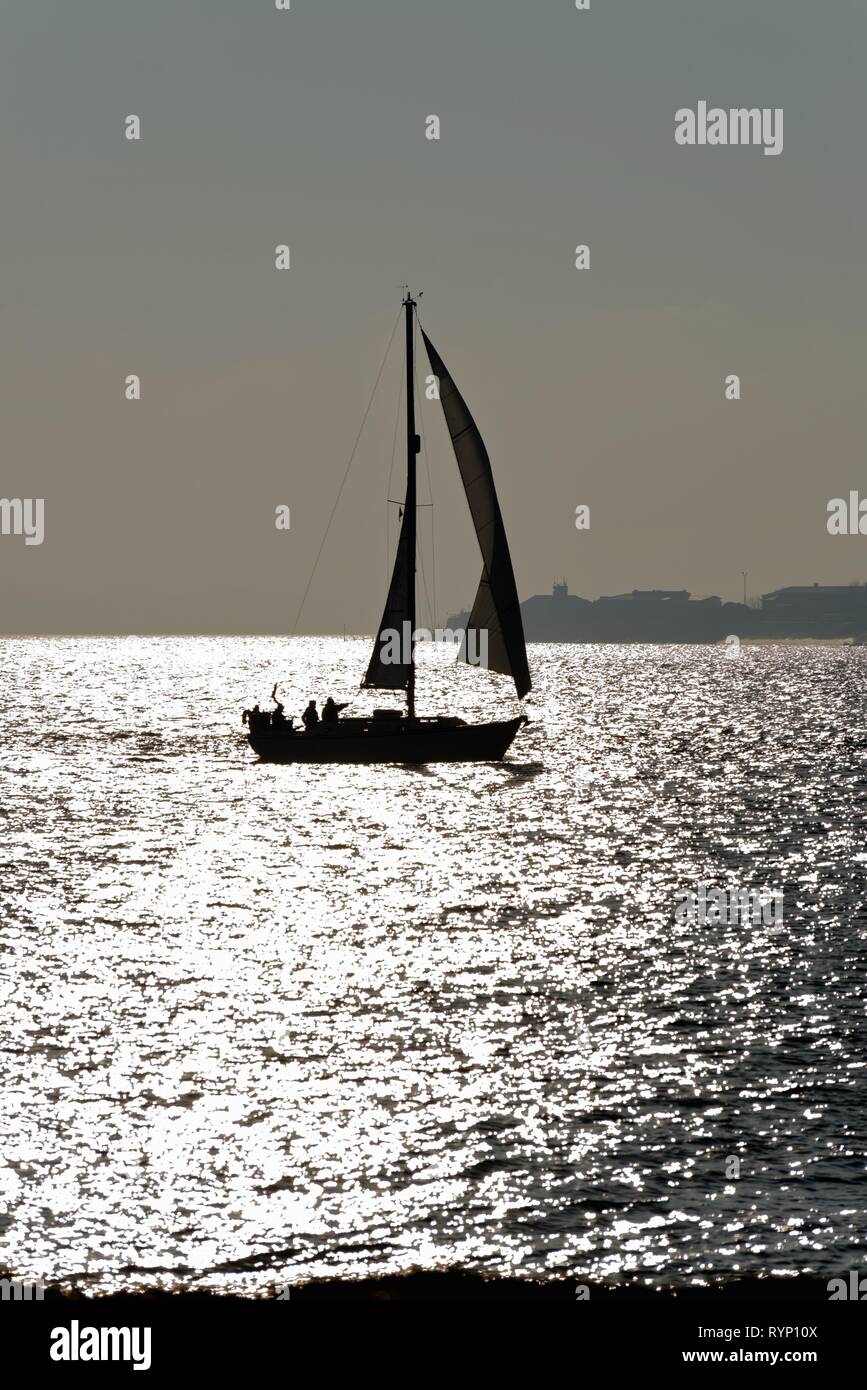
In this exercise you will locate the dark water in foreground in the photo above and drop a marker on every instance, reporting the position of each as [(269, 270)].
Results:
[(265, 1024)]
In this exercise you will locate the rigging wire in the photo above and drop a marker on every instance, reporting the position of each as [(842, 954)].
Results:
[(345, 476)]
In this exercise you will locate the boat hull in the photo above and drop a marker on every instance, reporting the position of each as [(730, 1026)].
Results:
[(404, 741)]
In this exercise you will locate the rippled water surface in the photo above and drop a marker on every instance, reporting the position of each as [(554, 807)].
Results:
[(266, 1023)]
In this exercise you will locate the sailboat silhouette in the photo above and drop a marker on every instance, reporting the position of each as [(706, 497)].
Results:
[(392, 735)]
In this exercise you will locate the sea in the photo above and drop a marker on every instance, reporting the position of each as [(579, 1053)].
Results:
[(263, 1025)]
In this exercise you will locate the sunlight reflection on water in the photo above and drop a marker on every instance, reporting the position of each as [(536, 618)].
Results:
[(263, 1023)]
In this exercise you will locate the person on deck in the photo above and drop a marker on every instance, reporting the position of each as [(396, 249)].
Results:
[(278, 719), (254, 718), (310, 717), (331, 711)]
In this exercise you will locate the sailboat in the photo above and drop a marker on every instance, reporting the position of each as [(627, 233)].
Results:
[(398, 736)]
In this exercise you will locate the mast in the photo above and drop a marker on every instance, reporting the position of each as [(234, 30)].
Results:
[(412, 447), (386, 670)]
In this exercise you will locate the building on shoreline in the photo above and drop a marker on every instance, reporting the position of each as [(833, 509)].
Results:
[(675, 615)]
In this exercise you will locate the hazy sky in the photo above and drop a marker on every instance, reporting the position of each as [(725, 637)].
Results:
[(602, 387)]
